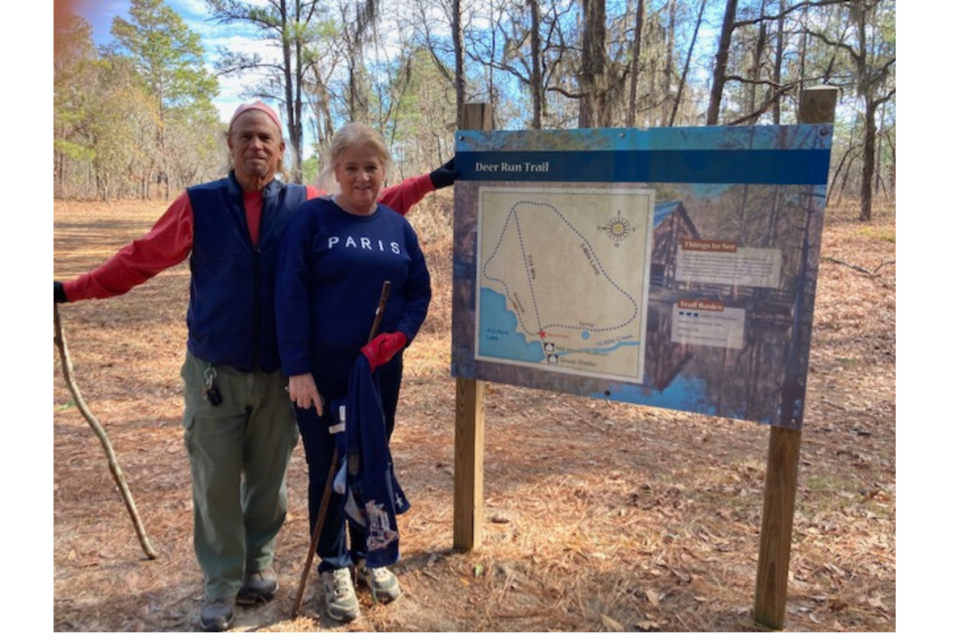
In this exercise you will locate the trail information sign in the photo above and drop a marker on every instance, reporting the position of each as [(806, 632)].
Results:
[(538, 246), (668, 267)]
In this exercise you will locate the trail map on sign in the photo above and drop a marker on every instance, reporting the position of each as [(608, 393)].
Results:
[(562, 278)]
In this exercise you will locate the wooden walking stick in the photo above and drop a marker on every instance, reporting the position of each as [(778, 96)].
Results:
[(61, 342), (328, 488)]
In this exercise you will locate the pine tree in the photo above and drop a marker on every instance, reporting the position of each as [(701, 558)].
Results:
[(169, 60)]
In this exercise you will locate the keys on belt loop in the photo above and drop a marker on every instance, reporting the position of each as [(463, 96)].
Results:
[(210, 389)]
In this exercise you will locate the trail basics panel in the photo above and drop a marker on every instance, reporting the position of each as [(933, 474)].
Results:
[(562, 278)]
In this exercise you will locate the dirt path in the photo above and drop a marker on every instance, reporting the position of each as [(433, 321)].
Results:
[(599, 516)]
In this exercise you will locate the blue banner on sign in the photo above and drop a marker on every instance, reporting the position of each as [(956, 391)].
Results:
[(790, 166)]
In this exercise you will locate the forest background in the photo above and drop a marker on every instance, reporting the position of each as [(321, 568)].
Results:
[(135, 121), (135, 115)]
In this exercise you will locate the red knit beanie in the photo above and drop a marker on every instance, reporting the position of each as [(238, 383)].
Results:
[(259, 106)]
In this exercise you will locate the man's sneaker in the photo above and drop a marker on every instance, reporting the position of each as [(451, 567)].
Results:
[(339, 597), (382, 583), (217, 614), (258, 587)]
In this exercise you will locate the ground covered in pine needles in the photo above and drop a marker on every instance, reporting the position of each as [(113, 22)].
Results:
[(598, 516)]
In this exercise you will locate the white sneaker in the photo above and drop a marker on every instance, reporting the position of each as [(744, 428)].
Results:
[(339, 597), (382, 583)]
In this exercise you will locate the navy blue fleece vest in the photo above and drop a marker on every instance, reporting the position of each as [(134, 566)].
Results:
[(231, 318)]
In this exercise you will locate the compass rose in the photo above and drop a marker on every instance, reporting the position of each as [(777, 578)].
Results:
[(618, 228)]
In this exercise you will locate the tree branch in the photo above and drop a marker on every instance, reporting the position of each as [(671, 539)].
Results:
[(839, 45), (786, 12), (887, 97), (766, 105), (115, 470), (858, 268), (565, 93), (768, 83)]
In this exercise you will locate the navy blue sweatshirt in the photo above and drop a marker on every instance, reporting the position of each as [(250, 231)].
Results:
[(331, 268)]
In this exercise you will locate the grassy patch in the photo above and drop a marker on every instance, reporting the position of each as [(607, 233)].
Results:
[(885, 233), (832, 484)]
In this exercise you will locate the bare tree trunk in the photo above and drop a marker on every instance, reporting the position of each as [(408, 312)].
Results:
[(667, 75), (878, 170), (459, 81), (357, 100), (292, 102), (161, 156), (836, 173), (755, 65), (295, 123), (686, 64), (803, 48), (59, 159), (318, 93), (778, 61), (536, 76), (593, 64), (843, 182), (869, 81), (869, 155), (893, 163), (635, 66), (720, 65), (491, 89)]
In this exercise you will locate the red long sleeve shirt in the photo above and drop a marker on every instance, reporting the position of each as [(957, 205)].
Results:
[(170, 241)]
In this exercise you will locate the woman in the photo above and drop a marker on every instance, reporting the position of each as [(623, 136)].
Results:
[(334, 258)]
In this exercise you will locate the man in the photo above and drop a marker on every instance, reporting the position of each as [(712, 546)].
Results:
[(239, 426)]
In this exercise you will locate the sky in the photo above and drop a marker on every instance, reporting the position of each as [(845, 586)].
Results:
[(101, 13)]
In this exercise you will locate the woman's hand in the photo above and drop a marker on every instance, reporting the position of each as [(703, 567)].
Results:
[(303, 392)]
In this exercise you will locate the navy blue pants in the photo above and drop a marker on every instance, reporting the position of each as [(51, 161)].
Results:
[(319, 446)]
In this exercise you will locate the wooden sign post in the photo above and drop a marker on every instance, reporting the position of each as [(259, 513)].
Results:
[(817, 105), (468, 434)]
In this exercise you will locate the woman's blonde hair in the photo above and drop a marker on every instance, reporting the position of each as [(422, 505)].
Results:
[(350, 136)]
